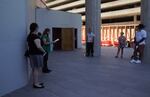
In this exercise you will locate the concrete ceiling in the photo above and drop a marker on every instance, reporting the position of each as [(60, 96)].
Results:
[(110, 8)]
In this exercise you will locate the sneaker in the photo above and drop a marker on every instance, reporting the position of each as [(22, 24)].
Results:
[(138, 62), (133, 61), (116, 56), (38, 86), (46, 71)]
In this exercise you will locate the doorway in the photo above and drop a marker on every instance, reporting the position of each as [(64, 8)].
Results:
[(76, 38), (68, 39), (57, 35)]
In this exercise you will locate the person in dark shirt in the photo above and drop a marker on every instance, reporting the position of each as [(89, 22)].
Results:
[(46, 46), (90, 43), (36, 53), (122, 44)]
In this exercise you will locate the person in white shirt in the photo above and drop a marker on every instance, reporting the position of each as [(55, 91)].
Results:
[(90, 43), (140, 38)]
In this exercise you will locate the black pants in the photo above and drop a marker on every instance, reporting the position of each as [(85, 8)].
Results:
[(89, 49), (140, 50), (45, 59)]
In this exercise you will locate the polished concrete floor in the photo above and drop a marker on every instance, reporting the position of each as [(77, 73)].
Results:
[(74, 75)]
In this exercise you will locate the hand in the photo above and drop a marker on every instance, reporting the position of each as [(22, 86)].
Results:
[(44, 53), (137, 43)]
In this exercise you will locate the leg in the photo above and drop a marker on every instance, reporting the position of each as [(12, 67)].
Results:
[(87, 49), (92, 49), (45, 66), (135, 53), (35, 76), (122, 52), (45, 59), (33, 60), (118, 52), (141, 51), (36, 64), (134, 58), (36, 83)]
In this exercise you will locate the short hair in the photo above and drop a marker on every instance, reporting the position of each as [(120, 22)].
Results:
[(141, 26), (122, 33)]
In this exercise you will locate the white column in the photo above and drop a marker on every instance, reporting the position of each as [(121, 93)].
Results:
[(145, 17), (135, 19), (31, 6), (93, 21)]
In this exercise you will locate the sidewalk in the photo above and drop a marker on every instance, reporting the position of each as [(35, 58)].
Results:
[(74, 75)]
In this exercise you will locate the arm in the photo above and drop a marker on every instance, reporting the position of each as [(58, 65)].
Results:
[(144, 35), (141, 41), (134, 40), (45, 42), (38, 45), (125, 40)]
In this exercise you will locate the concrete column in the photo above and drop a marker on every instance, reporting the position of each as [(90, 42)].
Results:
[(93, 22), (40, 3), (31, 6), (145, 17), (135, 19)]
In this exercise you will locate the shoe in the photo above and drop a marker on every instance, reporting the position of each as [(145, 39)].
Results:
[(92, 55), (133, 61), (132, 57), (46, 71), (38, 86), (116, 56), (138, 61), (41, 84), (87, 55)]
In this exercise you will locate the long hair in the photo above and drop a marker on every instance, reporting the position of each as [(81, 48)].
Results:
[(46, 31), (33, 27)]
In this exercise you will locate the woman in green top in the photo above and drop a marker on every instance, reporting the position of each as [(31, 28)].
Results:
[(46, 46)]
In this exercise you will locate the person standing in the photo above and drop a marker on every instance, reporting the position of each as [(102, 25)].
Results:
[(140, 38), (122, 44), (46, 46), (36, 53), (90, 43)]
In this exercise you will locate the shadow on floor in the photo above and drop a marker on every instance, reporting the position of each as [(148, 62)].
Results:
[(77, 76)]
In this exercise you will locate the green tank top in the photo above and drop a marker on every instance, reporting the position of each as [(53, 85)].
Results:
[(46, 47)]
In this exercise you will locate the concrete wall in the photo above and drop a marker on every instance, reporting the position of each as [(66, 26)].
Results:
[(13, 24), (145, 16), (15, 18), (48, 18), (31, 5)]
